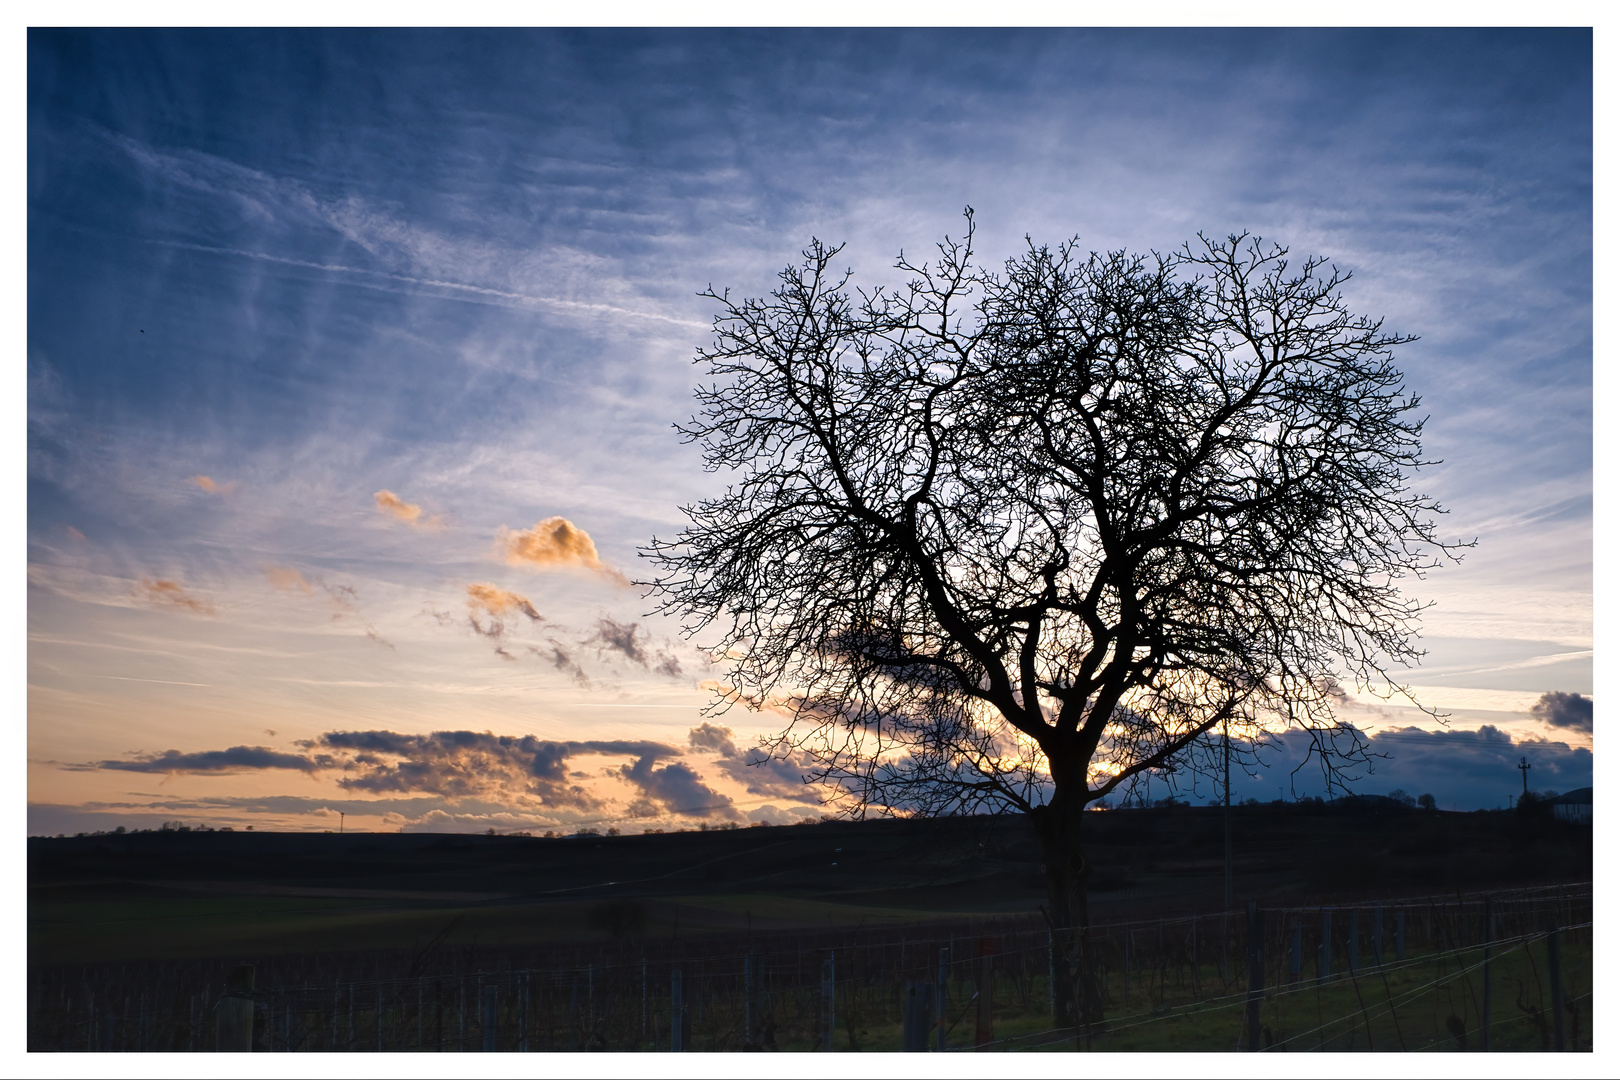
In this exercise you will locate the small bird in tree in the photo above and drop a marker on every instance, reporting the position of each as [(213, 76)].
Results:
[(1006, 540)]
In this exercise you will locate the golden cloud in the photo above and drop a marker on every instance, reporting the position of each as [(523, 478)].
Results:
[(285, 577), (171, 594), (389, 503), (557, 543), (212, 486), (499, 601)]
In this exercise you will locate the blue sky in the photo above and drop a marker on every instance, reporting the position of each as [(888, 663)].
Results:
[(462, 268)]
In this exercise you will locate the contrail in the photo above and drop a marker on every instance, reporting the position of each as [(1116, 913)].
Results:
[(131, 678), (478, 290)]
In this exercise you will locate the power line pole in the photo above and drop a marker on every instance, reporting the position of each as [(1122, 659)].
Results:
[(1524, 774)]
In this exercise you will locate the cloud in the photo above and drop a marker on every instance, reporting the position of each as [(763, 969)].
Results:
[(556, 543), (1560, 710), (498, 601), (779, 776), (165, 593), (410, 513), (460, 764), (373, 635), (675, 788), (621, 638), (713, 737), (286, 578), (212, 486), (75, 535), (235, 759), (562, 660)]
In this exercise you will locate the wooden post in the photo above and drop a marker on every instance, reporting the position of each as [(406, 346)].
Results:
[(984, 1019), (1051, 974), (827, 1003), (916, 1017), (1353, 943), (1324, 955), (1125, 993), (939, 998), (1400, 934), (1378, 936), (234, 1029), (487, 1021), (677, 1012), (1257, 977), (1485, 975), (748, 1002), (1555, 976), (1295, 961)]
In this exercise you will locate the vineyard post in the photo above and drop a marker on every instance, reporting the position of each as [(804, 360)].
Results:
[(1295, 961), (234, 1026), (983, 1017), (1324, 956), (940, 989), (487, 1022), (1353, 942), (1378, 935), (1555, 976), (1257, 977), (1400, 934), (827, 987), (677, 1013), (1485, 976)]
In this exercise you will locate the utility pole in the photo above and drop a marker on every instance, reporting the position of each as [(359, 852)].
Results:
[(1524, 774), (341, 816)]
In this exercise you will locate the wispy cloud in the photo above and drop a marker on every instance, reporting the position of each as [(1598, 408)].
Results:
[(171, 594), (410, 513), (556, 544), (212, 486), (234, 759), (287, 579)]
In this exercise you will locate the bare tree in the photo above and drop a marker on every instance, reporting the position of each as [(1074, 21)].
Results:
[(1006, 540)]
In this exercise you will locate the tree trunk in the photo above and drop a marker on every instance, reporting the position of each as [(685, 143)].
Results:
[(1075, 990)]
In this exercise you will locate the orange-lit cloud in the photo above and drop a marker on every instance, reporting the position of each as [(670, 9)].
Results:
[(498, 601), (556, 543), (75, 535), (212, 486), (285, 577), (171, 594), (409, 513)]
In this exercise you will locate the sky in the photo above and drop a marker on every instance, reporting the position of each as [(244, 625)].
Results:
[(353, 359)]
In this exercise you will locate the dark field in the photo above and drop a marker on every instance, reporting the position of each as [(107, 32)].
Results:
[(405, 921)]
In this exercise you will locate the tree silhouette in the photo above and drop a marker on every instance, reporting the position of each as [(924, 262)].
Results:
[(1007, 540)]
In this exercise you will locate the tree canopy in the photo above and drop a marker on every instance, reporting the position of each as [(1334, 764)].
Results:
[(992, 534)]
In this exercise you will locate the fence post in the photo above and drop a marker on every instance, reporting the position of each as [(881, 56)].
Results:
[(1400, 934), (1295, 961), (748, 1002), (1324, 954), (827, 1003), (1485, 975), (939, 999), (677, 1013), (1353, 943), (1378, 936), (234, 1029), (984, 1019), (491, 1041), (1555, 975), (1051, 972), (1257, 977), (916, 1017)]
